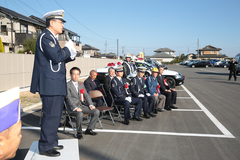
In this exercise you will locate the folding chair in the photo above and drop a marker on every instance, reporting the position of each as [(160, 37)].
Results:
[(116, 106), (69, 117), (97, 94)]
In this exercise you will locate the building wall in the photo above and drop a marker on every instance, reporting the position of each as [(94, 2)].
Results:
[(211, 52), (16, 69), (163, 59)]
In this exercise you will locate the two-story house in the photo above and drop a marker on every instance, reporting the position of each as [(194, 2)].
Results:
[(210, 52), (163, 55), (89, 51)]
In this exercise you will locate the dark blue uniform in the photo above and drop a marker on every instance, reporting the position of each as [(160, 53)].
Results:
[(120, 93), (137, 87), (49, 79)]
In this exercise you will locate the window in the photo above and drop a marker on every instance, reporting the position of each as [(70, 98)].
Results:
[(212, 52), (23, 28), (4, 30)]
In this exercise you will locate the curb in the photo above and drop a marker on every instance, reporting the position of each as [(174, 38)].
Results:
[(31, 107)]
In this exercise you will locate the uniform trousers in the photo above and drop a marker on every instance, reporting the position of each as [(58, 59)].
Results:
[(234, 75), (126, 105), (150, 100), (159, 101), (52, 107), (170, 98), (79, 117)]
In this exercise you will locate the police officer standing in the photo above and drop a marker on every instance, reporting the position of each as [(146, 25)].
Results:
[(49, 79), (139, 90), (127, 66)]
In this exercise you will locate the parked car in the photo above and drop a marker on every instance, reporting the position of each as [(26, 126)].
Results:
[(183, 63), (224, 64), (237, 58), (153, 62), (217, 63), (202, 63), (192, 61)]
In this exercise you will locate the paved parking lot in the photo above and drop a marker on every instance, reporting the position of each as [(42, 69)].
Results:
[(206, 125)]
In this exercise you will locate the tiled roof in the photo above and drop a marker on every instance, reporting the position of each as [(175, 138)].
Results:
[(160, 55), (164, 50), (210, 48), (89, 47)]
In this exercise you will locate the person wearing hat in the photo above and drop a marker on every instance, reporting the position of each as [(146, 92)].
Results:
[(153, 88), (10, 123), (122, 96), (127, 66), (49, 79), (138, 89)]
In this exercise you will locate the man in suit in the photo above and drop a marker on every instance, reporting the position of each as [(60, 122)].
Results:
[(165, 89), (49, 79), (107, 85), (233, 69), (123, 97), (153, 88), (79, 103), (91, 83), (138, 89)]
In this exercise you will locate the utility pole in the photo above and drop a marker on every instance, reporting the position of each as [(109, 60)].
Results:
[(117, 48), (198, 48), (188, 50), (106, 47), (123, 50)]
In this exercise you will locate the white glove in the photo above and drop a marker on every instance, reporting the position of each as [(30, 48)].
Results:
[(148, 94), (71, 48), (140, 95), (129, 99)]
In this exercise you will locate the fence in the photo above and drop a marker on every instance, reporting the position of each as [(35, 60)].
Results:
[(16, 69)]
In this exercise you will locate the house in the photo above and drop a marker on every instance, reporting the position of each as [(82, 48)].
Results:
[(108, 55), (15, 28), (191, 56), (210, 52), (166, 50), (163, 55), (89, 50)]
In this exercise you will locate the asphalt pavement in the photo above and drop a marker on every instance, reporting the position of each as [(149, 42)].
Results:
[(205, 127)]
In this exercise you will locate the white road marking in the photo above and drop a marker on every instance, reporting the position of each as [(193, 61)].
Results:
[(209, 114), (184, 98), (188, 110), (145, 132)]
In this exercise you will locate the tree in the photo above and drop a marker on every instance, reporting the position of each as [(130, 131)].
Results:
[(1, 46), (30, 44), (182, 57)]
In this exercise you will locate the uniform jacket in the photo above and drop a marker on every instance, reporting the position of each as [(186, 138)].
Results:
[(137, 87), (49, 72), (73, 98), (232, 65), (127, 69), (107, 84), (90, 86), (152, 85), (118, 88), (160, 79)]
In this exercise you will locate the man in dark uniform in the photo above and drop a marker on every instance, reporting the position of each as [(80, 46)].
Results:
[(49, 79), (127, 66), (123, 97), (139, 89), (233, 69), (107, 85), (91, 83), (165, 89)]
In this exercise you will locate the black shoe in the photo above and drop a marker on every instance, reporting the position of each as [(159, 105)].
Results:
[(173, 107), (155, 111), (160, 110), (168, 109), (79, 136), (50, 153), (59, 147), (151, 114), (146, 115), (126, 121), (90, 132), (137, 118)]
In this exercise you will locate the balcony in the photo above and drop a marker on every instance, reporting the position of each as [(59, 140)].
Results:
[(20, 37)]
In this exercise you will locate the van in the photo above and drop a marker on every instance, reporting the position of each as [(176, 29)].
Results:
[(237, 58)]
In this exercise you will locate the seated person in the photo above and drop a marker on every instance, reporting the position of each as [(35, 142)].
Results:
[(79, 102), (91, 83), (139, 89), (165, 89), (107, 85), (123, 97), (153, 88), (10, 123)]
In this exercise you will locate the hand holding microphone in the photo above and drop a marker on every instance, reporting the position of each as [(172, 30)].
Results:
[(70, 45)]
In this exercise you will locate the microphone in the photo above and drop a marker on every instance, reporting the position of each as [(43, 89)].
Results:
[(67, 35)]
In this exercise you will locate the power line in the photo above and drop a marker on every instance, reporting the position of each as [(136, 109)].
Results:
[(82, 24), (31, 8), (16, 5), (41, 6), (6, 3)]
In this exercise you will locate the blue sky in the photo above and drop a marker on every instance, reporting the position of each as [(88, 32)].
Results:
[(142, 25)]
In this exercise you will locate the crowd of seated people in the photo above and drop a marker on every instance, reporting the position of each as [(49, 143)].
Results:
[(149, 95)]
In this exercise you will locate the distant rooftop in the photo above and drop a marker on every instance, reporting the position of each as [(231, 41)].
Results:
[(164, 50)]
